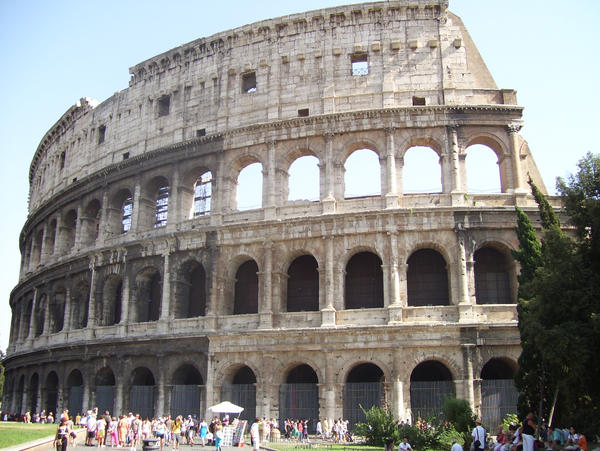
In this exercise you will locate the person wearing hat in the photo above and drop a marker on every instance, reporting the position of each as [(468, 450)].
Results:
[(478, 435)]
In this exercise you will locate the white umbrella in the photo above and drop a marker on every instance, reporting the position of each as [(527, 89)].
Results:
[(226, 407)]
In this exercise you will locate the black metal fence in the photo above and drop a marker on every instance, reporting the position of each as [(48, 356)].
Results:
[(427, 398), (498, 397)]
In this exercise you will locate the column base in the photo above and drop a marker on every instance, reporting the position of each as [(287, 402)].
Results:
[(270, 213), (210, 321), (395, 315), (328, 206), (459, 199), (328, 317), (391, 201), (466, 313), (265, 320)]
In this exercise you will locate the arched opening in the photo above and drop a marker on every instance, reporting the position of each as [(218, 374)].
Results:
[(34, 389), (249, 187), (51, 392), (40, 314), (427, 279), (191, 291), (303, 182), (161, 201), (492, 276), (246, 288), (112, 296), (141, 392), (149, 294), (50, 240), (483, 171), (202, 195), (69, 227), (105, 387), (364, 281), (430, 384), (75, 392), (91, 222), (241, 391), (79, 305), (303, 285), (422, 172), (57, 310), (363, 388), (187, 391), (299, 395), (498, 393), (362, 174)]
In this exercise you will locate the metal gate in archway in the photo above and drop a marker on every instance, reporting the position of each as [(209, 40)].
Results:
[(427, 398), (105, 398), (359, 396), (141, 400), (75, 400), (498, 397), (243, 395), (299, 401), (187, 400)]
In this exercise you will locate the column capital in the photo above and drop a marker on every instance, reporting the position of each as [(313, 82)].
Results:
[(514, 128), (329, 134)]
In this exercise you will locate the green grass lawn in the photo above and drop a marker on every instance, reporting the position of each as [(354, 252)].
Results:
[(284, 446), (12, 433)]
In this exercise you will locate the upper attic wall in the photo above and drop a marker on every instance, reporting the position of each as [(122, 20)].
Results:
[(414, 49)]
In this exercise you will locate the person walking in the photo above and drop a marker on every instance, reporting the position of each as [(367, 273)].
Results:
[(61, 440)]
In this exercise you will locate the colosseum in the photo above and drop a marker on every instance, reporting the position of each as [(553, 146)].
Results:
[(146, 286)]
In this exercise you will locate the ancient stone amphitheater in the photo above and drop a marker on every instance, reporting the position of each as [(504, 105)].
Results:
[(145, 287)]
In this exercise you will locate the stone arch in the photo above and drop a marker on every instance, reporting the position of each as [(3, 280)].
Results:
[(186, 392), (240, 389), (431, 382), (363, 285), (497, 145), (104, 381), (434, 144), (121, 212), (148, 284), (422, 169), (91, 222), (50, 392), (249, 192), (40, 314), (112, 300), (79, 299), (495, 276), (246, 288), (299, 394), (57, 309), (141, 392), (196, 191), (427, 278), (34, 389), (482, 169), (362, 172), (191, 290), (302, 178), (75, 387), (69, 230), (363, 389), (499, 395), (302, 293)]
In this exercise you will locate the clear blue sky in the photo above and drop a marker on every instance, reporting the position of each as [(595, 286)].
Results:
[(55, 52)]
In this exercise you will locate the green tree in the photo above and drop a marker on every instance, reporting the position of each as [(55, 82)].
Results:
[(559, 305)]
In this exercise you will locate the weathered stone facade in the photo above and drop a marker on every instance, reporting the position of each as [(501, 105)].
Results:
[(134, 294)]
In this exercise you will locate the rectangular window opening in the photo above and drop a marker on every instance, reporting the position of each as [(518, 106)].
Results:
[(200, 133), (164, 105), (360, 64), (249, 82), (63, 157), (126, 156), (101, 134), (303, 112), (418, 101)]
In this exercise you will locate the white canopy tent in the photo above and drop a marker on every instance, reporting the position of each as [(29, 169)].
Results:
[(226, 407)]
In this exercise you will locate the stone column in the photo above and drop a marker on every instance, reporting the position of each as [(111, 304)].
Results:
[(161, 390), (269, 193), (394, 304), (453, 162), (468, 388), (68, 308), (329, 200), (32, 320), (79, 229), (328, 313), (465, 305), (104, 231), (137, 206), (86, 398), (175, 211), (165, 301), (515, 153), (43, 252), (391, 196), (218, 201), (119, 394), (265, 307), (213, 392), (330, 390), (92, 321), (125, 295)]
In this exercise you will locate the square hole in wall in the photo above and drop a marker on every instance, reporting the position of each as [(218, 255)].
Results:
[(249, 82), (303, 112), (200, 133), (418, 101), (126, 156), (164, 105), (360, 64)]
